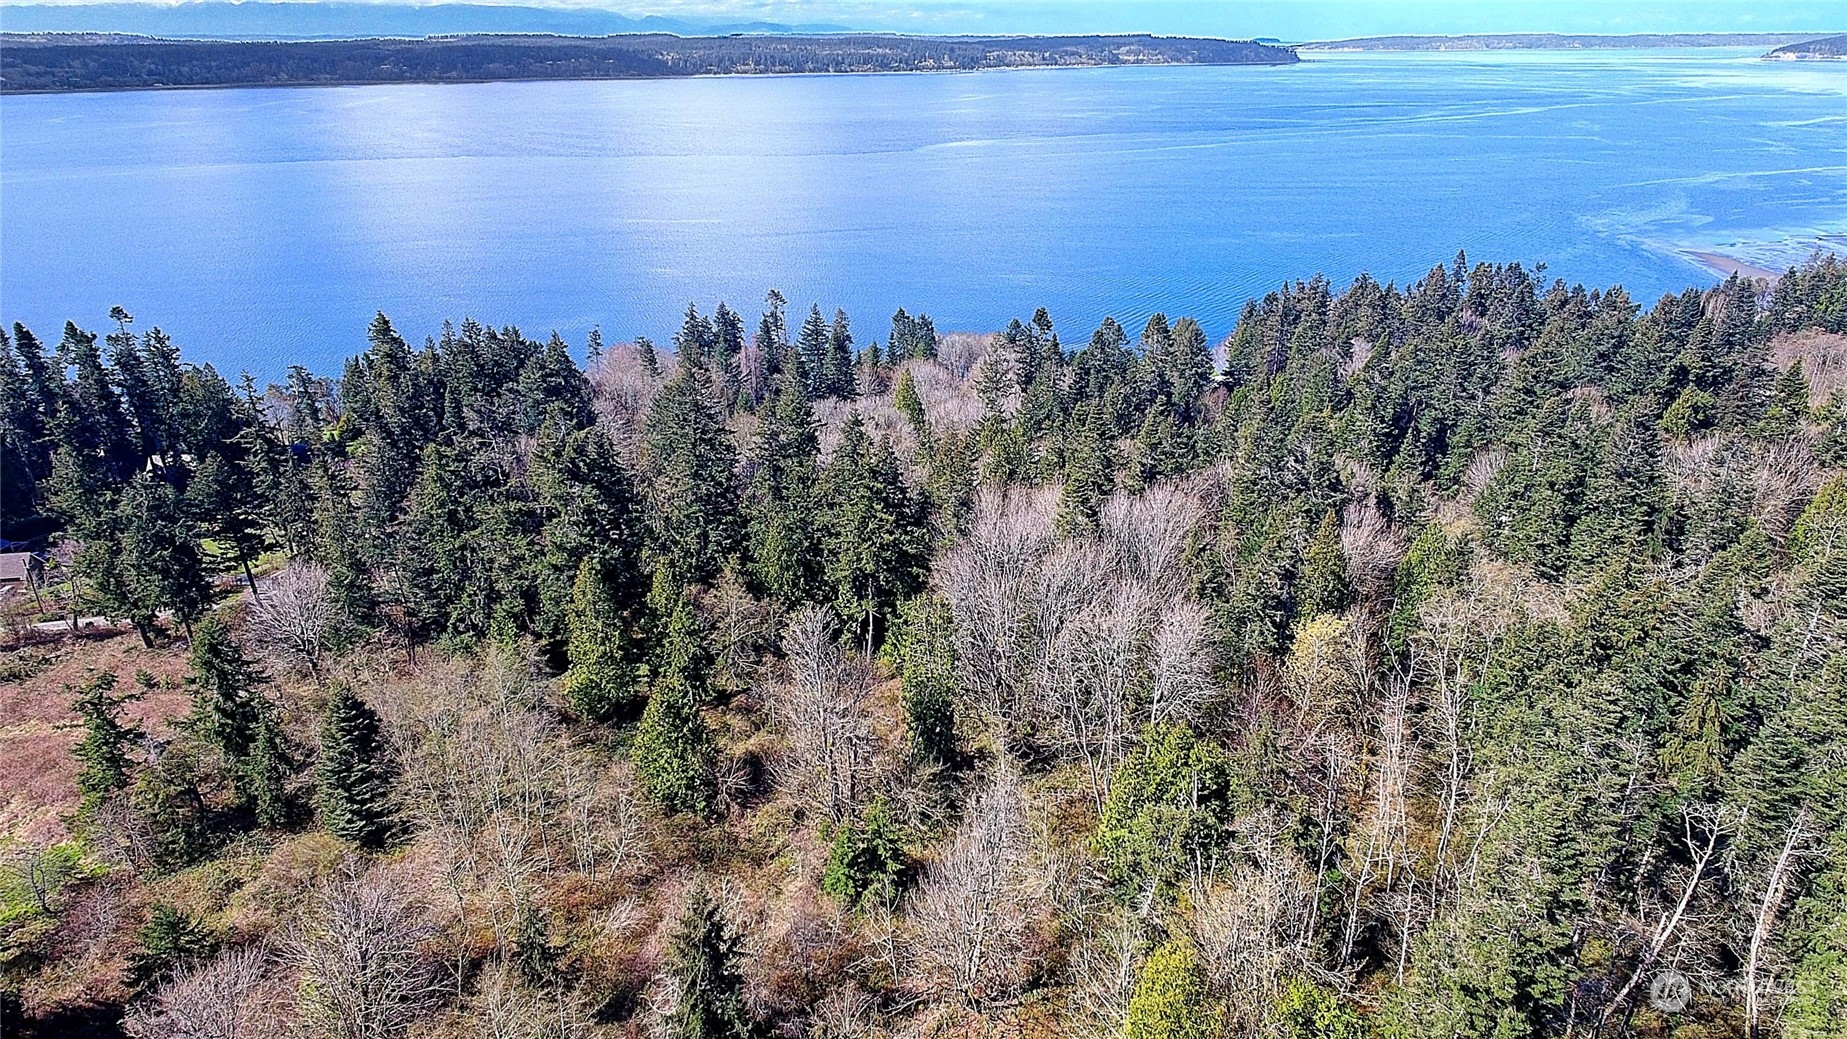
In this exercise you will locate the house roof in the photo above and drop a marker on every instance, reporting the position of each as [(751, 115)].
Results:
[(17, 566)]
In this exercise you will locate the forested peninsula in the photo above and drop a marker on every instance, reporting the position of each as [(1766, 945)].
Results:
[(50, 62), (1459, 659), (1832, 48)]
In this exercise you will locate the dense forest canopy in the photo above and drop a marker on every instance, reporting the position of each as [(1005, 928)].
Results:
[(51, 62), (1460, 659)]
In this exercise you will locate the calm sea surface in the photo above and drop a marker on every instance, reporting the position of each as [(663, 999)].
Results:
[(263, 227)]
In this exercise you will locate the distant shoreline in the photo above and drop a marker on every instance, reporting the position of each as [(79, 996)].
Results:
[(1729, 265), (1558, 42), (41, 64)]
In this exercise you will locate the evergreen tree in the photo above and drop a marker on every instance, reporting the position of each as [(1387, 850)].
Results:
[(875, 543), (650, 360), (267, 769), (145, 558), (1324, 586), (601, 679), (170, 941), (780, 503), (225, 709), (702, 959), (170, 810), (904, 397), (1090, 474), (674, 753), (837, 376), (691, 465), (354, 777), (925, 653), (102, 751), (1170, 1000), (866, 860), (811, 349)]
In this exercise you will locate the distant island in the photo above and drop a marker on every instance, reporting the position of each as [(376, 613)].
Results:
[(52, 63), (1833, 48), (1556, 41)]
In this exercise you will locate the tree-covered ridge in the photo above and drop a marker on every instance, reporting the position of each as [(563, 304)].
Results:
[(48, 63), (1450, 660)]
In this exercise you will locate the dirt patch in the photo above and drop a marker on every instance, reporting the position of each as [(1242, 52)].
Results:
[(37, 772)]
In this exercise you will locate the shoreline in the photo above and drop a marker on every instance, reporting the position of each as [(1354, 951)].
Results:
[(1730, 265), (47, 92)]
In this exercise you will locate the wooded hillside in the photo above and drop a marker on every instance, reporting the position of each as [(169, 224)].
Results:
[(51, 63), (1462, 659)]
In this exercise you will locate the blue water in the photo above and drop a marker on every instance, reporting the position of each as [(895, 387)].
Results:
[(263, 227)]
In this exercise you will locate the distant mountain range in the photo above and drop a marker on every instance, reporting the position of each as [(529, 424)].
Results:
[(1831, 48), (1556, 41), (339, 19)]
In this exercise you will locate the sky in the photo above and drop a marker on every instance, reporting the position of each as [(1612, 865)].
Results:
[(1285, 19)]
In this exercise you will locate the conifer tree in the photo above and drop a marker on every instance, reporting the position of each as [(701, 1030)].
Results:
[(170, 941), (1170, 1000), (267, 769), (691, 465), (354, 777), (601, 679), (225, 709), (780, 504), (866, 860), (1090, 474), (1324, 587), (837, 375), (650, 360), (904, 397), (102, 751), (673, 750), (925, 652), (811, 349), (875, 543), (703, 962)]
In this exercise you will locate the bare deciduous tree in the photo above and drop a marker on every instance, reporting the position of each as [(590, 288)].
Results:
[(822, 713), (362, 972), (294, 614), (974, 907), (236, 996)]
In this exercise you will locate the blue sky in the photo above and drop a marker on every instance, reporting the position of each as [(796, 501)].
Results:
[(1287, 19)]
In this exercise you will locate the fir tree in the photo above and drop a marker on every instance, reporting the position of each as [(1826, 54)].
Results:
[(875, 544), (904, 397), (266, 771), (866, 861), (170, 941), (780, 504), (702, 959), (1324, 586), (1090, 475), (650, 360), (925, 653), (102, 751), (811, 349), (674, 752), (225, 709), (837, 377), (692, 468), (1170, 1000), (353, 776), (601, 679)]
